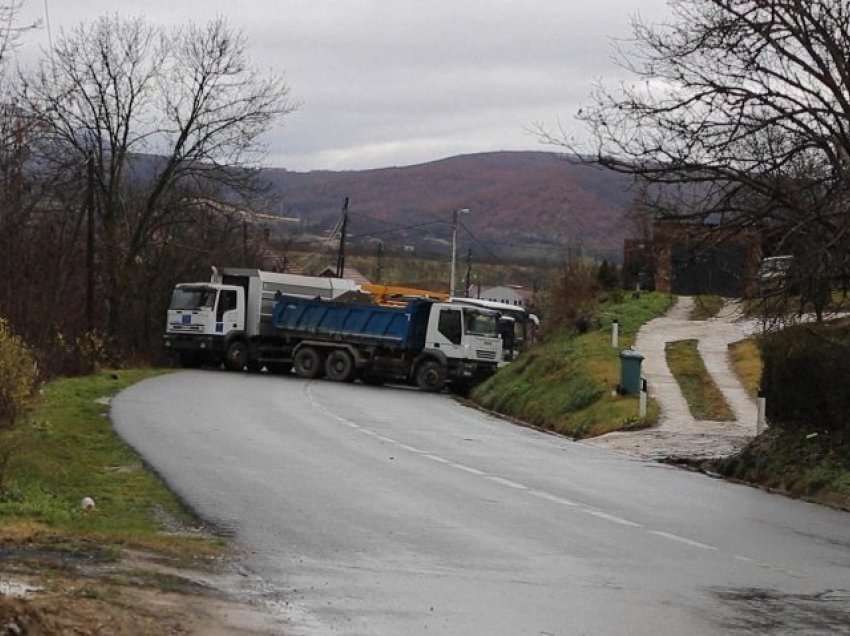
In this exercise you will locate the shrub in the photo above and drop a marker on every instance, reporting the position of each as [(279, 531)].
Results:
[(83, 355), (805, 377), (573, 298), (18, 374)]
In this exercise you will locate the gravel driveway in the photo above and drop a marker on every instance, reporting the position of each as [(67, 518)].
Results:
[(678, 433)]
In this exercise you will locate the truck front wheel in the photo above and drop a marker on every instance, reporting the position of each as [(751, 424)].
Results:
[(431, 376), (307, 363), (236, 357), (339, 366)]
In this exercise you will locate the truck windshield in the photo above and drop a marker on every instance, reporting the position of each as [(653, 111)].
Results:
[(193, 298), (477, 323)]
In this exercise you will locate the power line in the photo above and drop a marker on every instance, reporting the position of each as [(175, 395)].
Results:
[(398, 229), (479, 242)]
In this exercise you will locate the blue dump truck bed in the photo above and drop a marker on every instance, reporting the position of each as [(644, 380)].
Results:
[(397, 328)]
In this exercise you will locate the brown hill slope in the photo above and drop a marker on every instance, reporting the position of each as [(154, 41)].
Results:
[(529, 200)]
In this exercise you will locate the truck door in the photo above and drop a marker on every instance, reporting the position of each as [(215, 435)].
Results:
[(448, 335), (228, 314)]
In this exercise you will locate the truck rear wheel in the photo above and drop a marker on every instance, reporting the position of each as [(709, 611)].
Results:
[(308, 363), (339, 366), (431, 376), (236, 357)]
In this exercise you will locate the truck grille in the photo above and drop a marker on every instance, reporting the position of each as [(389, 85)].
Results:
[(177, 327), (486, 355)]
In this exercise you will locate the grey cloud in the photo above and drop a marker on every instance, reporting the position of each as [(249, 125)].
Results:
[(393, 82)]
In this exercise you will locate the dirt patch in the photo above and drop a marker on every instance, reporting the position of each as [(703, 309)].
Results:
[(51, 590), (765, 611)]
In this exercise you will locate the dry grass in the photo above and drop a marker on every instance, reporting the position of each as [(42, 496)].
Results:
[(745, 357), (706, 306), (704, 398)]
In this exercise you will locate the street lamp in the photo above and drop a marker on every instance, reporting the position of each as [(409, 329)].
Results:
[(455, 214)]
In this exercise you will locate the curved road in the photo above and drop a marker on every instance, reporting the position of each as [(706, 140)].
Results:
[(389, 511)]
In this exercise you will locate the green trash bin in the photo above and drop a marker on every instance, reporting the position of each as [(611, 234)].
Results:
[(630, 362)]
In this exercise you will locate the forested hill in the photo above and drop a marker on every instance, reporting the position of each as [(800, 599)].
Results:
[(527, 199)]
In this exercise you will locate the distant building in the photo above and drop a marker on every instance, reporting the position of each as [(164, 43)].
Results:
[(509, 294), (690, 258)]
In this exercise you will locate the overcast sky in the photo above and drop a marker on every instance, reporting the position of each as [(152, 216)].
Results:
[(396, 82)]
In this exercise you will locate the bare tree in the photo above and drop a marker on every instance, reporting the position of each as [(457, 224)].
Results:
[(157, 112), (740, 109)]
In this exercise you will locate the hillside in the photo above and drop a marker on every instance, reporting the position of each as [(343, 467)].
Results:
[(526, 202)]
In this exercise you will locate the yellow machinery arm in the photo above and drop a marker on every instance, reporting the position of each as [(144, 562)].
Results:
[(396, 296)]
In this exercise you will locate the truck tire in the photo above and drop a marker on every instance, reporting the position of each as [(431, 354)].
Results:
[(236, 357), (308, 363), (339, 366), (431, 376)]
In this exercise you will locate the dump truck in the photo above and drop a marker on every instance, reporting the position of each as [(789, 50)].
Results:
[(427, 344), (243, 318), (228, 318)]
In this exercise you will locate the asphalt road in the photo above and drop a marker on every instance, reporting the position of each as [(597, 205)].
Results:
[(389, 511)]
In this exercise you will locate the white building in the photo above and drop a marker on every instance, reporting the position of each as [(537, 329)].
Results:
[(508, 294)]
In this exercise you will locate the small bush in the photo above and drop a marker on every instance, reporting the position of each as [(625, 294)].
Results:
[(18, 375)]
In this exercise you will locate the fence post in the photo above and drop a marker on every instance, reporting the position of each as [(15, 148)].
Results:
[(615, 334), (761, 421), (643, 392)]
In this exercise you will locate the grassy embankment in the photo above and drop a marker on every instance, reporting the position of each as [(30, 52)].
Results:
[(705, 399), (799, 462), (68, 450), (746, 362), (565, 383), (706, 306)]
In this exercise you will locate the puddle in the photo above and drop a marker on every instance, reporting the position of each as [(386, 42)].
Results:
[(18, 589)]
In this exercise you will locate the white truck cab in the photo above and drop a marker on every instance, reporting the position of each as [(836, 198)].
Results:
[(201, 317), (464, 335)]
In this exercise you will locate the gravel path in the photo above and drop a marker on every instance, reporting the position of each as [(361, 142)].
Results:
[(678, 433)]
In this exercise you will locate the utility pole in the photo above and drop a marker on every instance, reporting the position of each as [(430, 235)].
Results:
[(455, 214), (340, 259), (468, 284), (380, 258), (244, 242), (90, 243)]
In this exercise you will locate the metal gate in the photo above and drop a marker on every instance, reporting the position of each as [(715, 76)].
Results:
[(708, 270)]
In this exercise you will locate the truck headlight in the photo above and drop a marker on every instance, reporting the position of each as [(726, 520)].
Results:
[(203, 345)]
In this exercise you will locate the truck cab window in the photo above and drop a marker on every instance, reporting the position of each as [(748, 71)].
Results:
[(226, 302), (450, 325), (193, 298)]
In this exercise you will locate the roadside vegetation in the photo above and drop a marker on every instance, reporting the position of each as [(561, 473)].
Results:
[(706, 306), (705, 399), (797, 461), (745, 357), (567, 383), (65, 450)]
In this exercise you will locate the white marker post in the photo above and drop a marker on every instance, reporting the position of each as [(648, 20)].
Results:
[(615, 334), (643, 396), (761, 421)]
